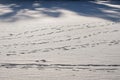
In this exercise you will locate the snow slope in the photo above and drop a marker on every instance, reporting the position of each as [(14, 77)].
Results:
[(73, 46)]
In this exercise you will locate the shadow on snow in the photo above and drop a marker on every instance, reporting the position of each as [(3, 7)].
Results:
[(13, 10)]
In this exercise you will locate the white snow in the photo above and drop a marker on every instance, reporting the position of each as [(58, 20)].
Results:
[(74, 43)]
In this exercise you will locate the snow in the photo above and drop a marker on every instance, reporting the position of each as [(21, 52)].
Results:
[(59, 40)]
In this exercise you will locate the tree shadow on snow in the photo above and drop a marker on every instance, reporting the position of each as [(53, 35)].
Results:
[(13, 10)]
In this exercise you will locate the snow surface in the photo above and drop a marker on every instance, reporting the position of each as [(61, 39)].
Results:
[(59, 40)]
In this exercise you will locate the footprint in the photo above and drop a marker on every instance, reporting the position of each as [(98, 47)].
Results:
[(85, 37), (43, 60), (10, 54), (37, 61), (11, 34), (22, 53)]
